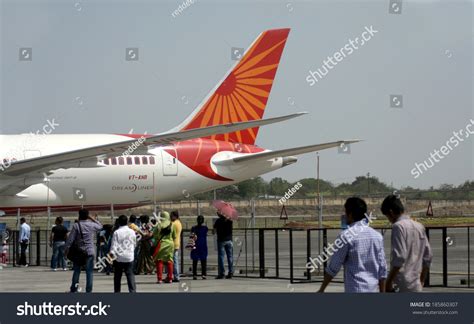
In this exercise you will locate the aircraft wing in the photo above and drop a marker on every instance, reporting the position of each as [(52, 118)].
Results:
[(267, 155), (12, 178)]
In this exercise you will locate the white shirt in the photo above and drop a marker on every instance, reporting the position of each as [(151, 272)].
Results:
[(25, 231), (123, 246)]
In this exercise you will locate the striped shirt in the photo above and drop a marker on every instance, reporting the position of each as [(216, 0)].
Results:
[(360, 250)]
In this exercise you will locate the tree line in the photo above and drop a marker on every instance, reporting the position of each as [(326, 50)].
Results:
[(258, 188)]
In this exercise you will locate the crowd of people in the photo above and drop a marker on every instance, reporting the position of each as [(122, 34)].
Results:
[(133, 246), (151, 245)]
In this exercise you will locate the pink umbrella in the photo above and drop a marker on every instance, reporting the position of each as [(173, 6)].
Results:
[(225, 209)]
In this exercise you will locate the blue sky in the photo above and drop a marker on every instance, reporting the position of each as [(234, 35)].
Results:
[(79, 75)]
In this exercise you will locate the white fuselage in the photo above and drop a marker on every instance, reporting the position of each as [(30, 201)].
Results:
[(163, 178)]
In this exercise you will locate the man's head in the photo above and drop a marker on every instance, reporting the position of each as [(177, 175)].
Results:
[(83, 214), (356, 208), (392, 207), (133, 219), (122, 220), (200, 220), (144, 219), (174, 215), (22, 220), (59, 220)]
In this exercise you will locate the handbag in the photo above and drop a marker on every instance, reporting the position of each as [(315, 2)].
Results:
[(76, 254)]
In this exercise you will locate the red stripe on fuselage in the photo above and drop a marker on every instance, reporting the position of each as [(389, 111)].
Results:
[(196, 154)]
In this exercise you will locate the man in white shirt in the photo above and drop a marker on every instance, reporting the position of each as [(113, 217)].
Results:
[(25, 232), (123, 246), (411, 251)]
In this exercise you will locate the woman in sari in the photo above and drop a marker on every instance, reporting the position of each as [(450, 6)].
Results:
[(145, 262), (164, 235)]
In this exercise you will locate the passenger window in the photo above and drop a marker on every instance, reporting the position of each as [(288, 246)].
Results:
[(114, 161), (137, 160), (129, 161), (120, 161), (106, 161), (152, 160), (144, 160)]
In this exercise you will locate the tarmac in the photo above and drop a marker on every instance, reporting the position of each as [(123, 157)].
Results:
[(36, 279)]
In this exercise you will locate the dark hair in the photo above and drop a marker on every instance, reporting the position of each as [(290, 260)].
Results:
[(392, 203), (122, 220), (166, 230), (144, 219), (22, 220), (83, 214), (357, 207), (59, 220), (132, 219), (200, 219), (175, 214)]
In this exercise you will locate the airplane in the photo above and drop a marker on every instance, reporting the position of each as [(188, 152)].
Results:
[(212, 148)]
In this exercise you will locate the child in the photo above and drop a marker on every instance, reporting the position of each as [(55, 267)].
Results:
[(4, 255)]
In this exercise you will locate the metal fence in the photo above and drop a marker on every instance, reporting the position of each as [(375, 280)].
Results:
[(282, 253)]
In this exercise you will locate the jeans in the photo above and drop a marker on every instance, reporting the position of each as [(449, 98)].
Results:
[(126, 267), (58, 258), (176, 264), (227, 247), (89, 275), (23, 248), (103, 251)]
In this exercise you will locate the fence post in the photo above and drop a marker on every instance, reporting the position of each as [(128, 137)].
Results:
[(445, 257), (325, 245), (291, 255), (15, 248), (261, 251), (468, 257), (427, 280), (277, 255), (246, 253), (181, 252), (38, 247), (308, 253)]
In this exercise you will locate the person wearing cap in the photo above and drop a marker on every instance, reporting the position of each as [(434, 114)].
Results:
[(164, 234)]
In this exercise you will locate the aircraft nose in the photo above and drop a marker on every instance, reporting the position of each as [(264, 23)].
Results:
[(287, 160)]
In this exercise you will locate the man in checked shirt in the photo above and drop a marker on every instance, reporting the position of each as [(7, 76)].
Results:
[(360, 249), (411, 252)]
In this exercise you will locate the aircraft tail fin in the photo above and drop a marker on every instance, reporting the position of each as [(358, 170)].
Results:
[(243, 93)]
